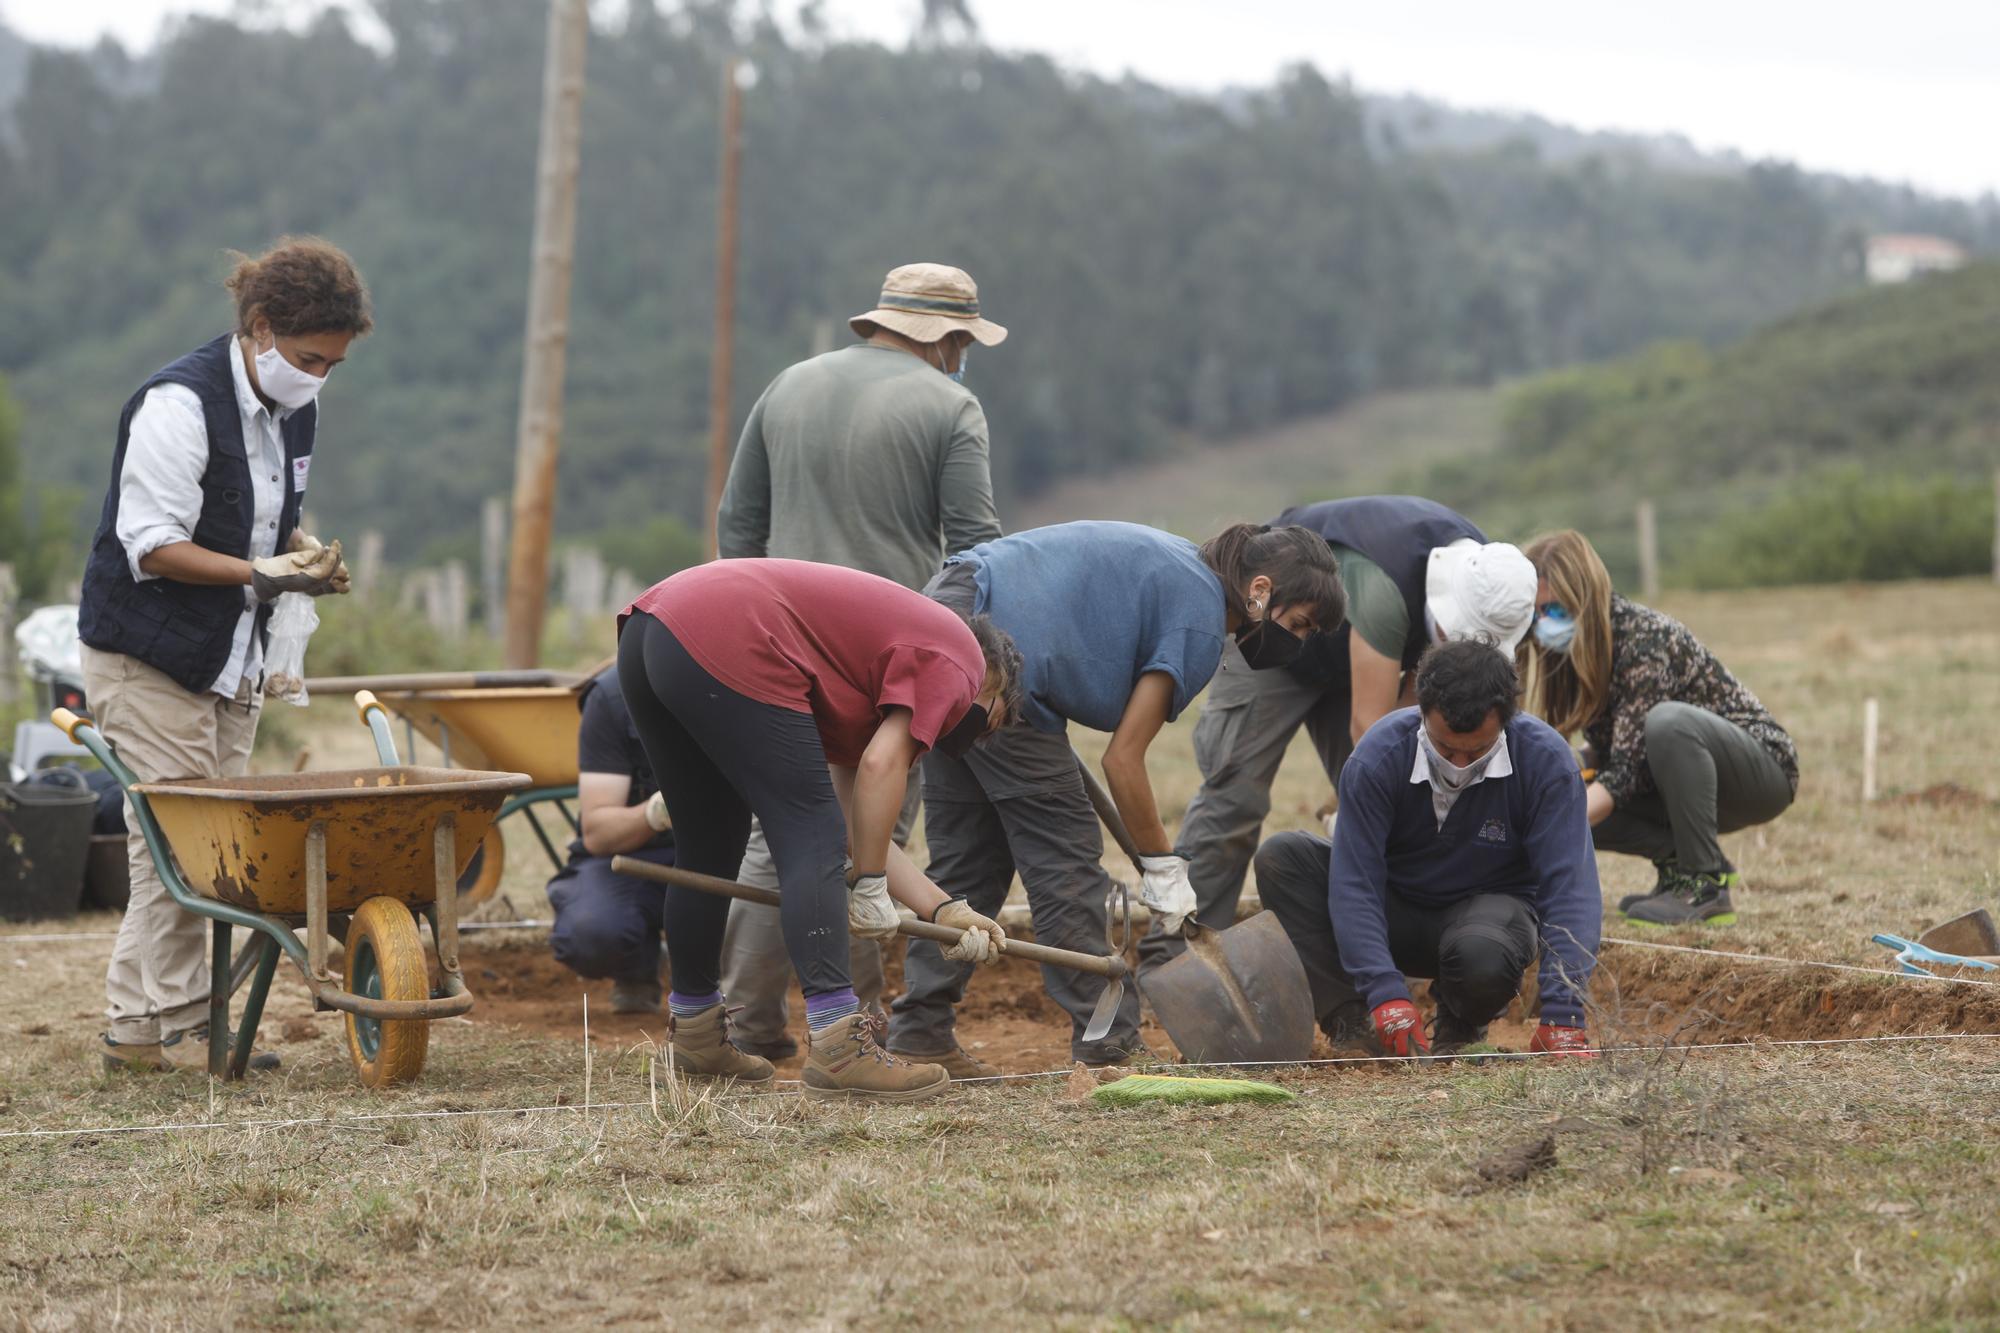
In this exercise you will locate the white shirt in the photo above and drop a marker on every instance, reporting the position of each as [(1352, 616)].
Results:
[(1497, 765), (159, 493)]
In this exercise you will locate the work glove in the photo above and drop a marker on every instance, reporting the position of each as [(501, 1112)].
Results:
[(304, 541), (983, 938), (1400, 1029), (656, 813), (1556, 1039), (313, 570), (1164, 888), (870, 914)]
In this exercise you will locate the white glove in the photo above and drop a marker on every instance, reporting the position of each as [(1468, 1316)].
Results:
[(870, 914), (983, 938), (1164, 888), (656, 813), (312, 570)]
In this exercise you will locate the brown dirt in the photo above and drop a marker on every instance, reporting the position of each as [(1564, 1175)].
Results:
[(1942, 796), (1007, 1020)]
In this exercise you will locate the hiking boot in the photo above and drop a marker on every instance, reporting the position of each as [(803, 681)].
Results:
[(1691, 900), (1663, 875), (635, 997), (188, 1049), (137, 1056), (781, 1047), (957, 1062), (847, 1061), (1351, 1034), (1118, 1054), (1451, 1034), (699, 1047)]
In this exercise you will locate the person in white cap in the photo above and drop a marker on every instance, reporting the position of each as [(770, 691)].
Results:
[(1415, 573), (875, 457)]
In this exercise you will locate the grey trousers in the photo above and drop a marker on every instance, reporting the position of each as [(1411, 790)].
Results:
[(756, 969), (1710, 777), (1246, 725)]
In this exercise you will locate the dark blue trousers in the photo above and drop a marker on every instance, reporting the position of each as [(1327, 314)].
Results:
[(608, 925)]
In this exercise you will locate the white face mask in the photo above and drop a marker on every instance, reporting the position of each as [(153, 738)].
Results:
[(284, 383), (1447, 774)]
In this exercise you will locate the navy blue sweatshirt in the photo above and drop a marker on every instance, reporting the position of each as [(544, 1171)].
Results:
[(1525, 834)]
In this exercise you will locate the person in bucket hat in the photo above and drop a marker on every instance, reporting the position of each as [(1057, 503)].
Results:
[(874, 457)]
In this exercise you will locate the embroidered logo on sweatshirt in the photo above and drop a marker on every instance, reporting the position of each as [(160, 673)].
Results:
[(1493, 831)]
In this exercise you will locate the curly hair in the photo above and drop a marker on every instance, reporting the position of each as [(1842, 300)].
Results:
[(1003, 661), (302, 285)]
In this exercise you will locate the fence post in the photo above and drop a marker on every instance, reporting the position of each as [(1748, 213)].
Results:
[(1871, 726), (10, 671), (457, 598), (493, 565), (1649, 552), (368, 563), (1996, 525)]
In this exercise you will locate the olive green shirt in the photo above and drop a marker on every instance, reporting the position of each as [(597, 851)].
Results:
[(865, 457), (1374, 604)]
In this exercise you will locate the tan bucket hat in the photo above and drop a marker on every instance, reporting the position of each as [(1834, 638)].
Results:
[(923, 302)]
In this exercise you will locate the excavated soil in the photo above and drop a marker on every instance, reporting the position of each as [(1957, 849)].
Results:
[(1006, 1020)]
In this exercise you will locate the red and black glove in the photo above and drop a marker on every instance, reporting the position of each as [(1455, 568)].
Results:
[(1555, 1039), (1400, 1029)]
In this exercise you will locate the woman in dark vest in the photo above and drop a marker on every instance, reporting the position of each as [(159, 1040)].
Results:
[(199, 534), (1415, 573)]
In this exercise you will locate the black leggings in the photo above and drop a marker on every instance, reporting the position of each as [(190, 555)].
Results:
[(719, 758)]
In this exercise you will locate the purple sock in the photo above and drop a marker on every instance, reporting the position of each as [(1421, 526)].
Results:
[(825, 1010), (687, 1006)]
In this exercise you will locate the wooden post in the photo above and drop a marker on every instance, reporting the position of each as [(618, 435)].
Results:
[(1871, 727), (539, 433), (10, 667), (368, 563), (1996, 525), (457, 600), (1649, 552), (493, 565), (823, 335), (722, 366)]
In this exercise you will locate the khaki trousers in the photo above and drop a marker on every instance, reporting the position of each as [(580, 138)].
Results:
[(157, 984)]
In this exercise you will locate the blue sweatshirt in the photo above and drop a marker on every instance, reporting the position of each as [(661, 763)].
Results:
[(1525, 834)]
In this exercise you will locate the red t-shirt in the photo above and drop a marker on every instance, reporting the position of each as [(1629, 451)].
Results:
[(820, 639)]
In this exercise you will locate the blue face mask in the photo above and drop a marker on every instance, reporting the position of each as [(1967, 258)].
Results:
[(1553, 627), (958, 376)]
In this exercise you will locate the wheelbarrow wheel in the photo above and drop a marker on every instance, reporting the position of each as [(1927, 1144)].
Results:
[(385, 961), (481, 879)]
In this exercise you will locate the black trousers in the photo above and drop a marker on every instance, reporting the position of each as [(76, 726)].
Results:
[(1474, 950), (719, 757)]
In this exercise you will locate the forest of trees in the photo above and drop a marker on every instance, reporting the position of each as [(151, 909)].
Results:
[(1172, 267)]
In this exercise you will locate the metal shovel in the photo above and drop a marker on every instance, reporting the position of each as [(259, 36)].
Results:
[(1235, 996)]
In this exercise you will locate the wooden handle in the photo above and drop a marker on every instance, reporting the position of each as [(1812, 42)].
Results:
[(68, 722), (1096, 964), (1107, 810), (444, 680), (363, 701)]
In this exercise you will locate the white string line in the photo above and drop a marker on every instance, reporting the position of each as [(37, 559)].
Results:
[(464, 927), (381, 1116), (1891, 973)]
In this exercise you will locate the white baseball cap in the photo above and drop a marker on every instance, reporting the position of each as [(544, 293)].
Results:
[(1481, 592)]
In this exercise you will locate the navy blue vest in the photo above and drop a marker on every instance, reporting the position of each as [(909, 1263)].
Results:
[(183, 629), (1397, 532)]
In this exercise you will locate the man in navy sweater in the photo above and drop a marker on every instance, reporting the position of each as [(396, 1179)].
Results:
[(1462, 844)]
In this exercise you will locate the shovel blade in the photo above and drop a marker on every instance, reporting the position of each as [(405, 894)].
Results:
[(1106, 1013), (1971, 935), (1236, 996)]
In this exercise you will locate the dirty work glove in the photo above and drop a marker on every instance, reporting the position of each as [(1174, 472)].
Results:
[(314, 572), (1400, 1029), (1164, 888), (656, 813), (870, 914), (304, 541), (1555, 1039), (983, 938)]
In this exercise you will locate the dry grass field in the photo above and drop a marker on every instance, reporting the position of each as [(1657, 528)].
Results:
[(522, 1183)]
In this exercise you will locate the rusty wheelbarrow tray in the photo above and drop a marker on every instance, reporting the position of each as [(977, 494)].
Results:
[(355, 852), (516, 722)]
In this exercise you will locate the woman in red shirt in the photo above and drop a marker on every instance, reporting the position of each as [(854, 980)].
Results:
[(802, 694)]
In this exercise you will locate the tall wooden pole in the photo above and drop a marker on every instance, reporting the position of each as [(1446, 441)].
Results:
[(722, 367), (539, 440), (1649, 552)]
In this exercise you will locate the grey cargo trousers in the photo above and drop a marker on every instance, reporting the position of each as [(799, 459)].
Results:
[(1710, 777), (1247, 722)]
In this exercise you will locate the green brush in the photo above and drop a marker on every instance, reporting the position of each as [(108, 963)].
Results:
[(1140, 1089)]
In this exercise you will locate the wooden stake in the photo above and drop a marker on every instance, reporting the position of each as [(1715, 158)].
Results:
[(1649, 552), (1871, 725), (539, 437), (1996, 525), (493, 564), (722, 367)]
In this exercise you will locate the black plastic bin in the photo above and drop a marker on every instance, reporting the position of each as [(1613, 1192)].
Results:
[(107, 879), (44, 845)]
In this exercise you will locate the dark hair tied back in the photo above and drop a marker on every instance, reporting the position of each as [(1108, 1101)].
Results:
[(1297, 560)]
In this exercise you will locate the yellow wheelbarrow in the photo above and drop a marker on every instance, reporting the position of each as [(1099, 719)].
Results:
[(347, 854), (510, 721)]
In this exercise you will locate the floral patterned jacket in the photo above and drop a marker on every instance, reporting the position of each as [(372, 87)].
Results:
[(1656, 659)]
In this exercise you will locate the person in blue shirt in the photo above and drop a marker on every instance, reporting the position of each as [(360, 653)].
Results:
[(1119, 626), (1463, 845)]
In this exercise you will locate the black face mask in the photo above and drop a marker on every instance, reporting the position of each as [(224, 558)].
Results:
[(954, 743), (1266, 644)]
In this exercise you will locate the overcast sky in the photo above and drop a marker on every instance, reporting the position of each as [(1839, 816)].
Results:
[(1892, 91)]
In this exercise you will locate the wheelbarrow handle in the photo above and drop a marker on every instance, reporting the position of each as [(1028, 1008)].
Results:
[(68, 722), (1096, 964)]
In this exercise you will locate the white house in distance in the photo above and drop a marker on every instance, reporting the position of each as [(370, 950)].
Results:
[(1898, 257)]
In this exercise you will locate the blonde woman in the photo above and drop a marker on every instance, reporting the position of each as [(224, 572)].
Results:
[(1683, 751)]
